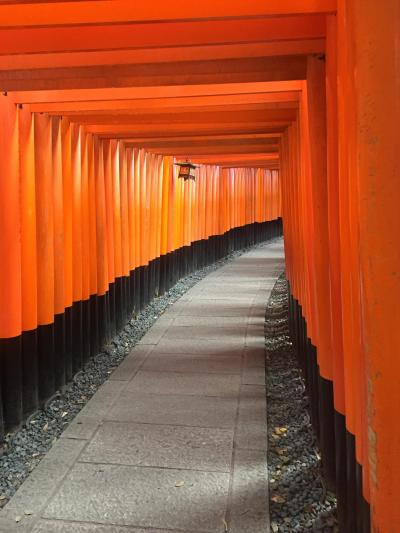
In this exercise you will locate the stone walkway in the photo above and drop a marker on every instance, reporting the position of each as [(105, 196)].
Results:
[(176, 440)]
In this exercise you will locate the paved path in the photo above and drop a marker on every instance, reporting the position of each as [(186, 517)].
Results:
[(175, 441)]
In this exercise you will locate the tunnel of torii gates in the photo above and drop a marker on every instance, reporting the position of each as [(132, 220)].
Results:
[(291, 109)]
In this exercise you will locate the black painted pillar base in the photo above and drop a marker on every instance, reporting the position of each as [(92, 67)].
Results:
[(94, 326), (76, 337), (327, 430), (11, 383), (68, 344), (30, 381), (46, 362), (341, 468), (312, 371), (59, 347), (351, 518)]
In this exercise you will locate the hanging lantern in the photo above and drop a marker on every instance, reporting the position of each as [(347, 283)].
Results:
[(186, 170)]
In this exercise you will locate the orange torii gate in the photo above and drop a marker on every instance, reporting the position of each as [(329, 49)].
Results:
[(280, 102)]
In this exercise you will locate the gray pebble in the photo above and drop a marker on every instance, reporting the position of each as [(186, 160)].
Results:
[(299, 480)]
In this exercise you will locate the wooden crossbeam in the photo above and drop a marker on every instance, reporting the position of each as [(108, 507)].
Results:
[(283, 68), (220, 150), (196, 118), (211, 138), (116, 11), (212, 141), (287, 99), (127, 130), (118, 93), (161, 55), (158, 35)]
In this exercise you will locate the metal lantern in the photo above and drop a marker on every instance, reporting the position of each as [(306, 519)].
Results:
[(186, 170)]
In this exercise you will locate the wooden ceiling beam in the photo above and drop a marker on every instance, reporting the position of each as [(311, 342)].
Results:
[(172, 91), (204, 139), (182, 142), (267, 166), (282, 68), (191, 151), (161, 55), (254, 160), (159, 35), (128, 131), (196, 118), (116, 11), (159, 105), (239, 157), (124, 131), (155, 114)]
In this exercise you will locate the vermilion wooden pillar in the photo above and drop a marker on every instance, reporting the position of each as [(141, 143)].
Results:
[(334, 267), (347, 230), (67, 177), (58, 219), (10, 267), (76, 252), (377, 36), (29, 295), (85, 233), (101, 248), (45, 255), (316, 104), (93, 171)]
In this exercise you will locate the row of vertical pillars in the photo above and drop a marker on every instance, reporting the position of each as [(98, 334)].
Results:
[(40, 362), (343, 474)]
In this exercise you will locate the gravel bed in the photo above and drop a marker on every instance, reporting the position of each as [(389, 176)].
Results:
[(299, 501), (24, 449)]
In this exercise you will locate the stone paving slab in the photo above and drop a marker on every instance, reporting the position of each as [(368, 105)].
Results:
[(59, 526), (175, 441), (216, 308), (189, 363), (142, 497), (131, 365), (253, 376), (200, 411), (251, 429), (254, 357), (208, 449), (222, 322), (226, 296), (201, 346), (33, 495), (188, 384), (88, 419), (206, 332), (249, 500)]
